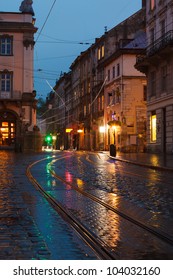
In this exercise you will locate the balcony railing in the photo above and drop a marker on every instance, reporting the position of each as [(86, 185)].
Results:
[(160, 43), (156, 46), (10, 95)]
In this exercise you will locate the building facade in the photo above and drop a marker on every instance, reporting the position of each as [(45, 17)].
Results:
[(157, 64), (103, 86), (17, 96), (125, 100)]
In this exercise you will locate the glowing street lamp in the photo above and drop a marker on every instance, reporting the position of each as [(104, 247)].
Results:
[(102, 129)]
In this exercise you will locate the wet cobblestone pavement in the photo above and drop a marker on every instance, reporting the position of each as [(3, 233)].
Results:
[(31, 229), (124, 192)]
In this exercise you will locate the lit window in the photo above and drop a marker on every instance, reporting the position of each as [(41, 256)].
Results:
[(5, 45), (152, 4), (101, 52), (153, 128), (4, 124)]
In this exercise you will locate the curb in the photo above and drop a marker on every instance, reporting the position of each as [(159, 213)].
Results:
[(159, 168)]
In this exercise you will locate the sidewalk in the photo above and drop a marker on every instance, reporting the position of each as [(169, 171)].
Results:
[(155, 161)]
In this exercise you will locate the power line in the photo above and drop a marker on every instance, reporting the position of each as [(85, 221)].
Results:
[(45, 21)]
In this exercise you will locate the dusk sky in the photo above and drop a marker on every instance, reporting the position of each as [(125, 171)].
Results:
[(64, 25)]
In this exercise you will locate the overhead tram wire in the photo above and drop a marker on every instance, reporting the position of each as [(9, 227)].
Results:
[(45, 21)]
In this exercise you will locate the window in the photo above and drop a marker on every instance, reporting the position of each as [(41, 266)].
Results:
[(109, 98), (153, 127), (85, 110), (101, 103), (152, 4), (152, 36), (108, 75), (101, 52), (118, 69), (118, 95), (5, 45), (153, 83), (163, 28), (5, 85), (113, 72), (163, 78), (145, 92), (89, 86)]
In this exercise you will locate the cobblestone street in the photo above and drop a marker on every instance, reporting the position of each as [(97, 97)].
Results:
[(31, 229), (26, 219)]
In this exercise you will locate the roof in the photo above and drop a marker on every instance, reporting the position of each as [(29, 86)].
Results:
[(139, 42)]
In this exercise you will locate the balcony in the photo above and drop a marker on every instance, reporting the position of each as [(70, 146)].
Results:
[(15, 95), (161, 43), (162, 46)]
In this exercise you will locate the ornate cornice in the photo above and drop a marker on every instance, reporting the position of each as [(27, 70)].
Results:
[(17, 27)]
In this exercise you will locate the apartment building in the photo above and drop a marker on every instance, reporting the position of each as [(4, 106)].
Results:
[(125, 99), (157, 64), (17, 96), (87, 112)]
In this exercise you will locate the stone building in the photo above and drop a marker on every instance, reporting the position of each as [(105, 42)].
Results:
[(17, 96), (157, 64), (125, 99), (89, 82)]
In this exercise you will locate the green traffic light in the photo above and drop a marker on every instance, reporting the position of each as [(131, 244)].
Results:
[(48, 138)]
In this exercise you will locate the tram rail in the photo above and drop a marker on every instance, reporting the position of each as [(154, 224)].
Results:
[(99, 247)]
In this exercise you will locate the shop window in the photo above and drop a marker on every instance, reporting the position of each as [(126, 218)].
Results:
[(153, 127)]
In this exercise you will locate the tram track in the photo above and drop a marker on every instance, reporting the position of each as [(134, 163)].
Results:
[(97, 245), (113, 209), (120, 169), (93, 241)]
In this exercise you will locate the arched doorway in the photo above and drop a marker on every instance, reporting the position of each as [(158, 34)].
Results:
[(8, 122)]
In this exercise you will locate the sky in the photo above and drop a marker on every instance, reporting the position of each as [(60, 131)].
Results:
[(65, 29)]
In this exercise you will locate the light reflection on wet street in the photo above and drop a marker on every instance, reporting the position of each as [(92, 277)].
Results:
[(126, 193), (31, 228)]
